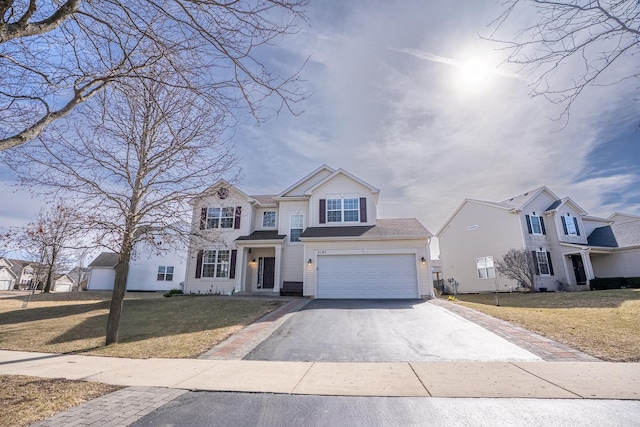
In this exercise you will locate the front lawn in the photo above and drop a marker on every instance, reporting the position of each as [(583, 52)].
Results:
[(151, 326), (605, 324)]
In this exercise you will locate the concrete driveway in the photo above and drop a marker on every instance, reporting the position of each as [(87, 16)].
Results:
[(383, 331)]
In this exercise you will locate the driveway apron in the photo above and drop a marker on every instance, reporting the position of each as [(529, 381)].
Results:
[(383, 331)]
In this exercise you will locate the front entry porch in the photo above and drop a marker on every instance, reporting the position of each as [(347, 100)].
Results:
[(260, 260), (578, 269)]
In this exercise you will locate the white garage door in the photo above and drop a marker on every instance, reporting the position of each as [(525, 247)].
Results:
[(367, 276), (5, 285)]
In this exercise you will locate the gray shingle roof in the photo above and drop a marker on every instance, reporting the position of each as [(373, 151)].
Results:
[(262, 235), (265, 199), (384, 228), (105, 259), (616, 235)]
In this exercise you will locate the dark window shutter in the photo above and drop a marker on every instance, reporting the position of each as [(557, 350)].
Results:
[(232, 264), (203, 218), (199, 264), (542, 226), (564, 226), (575, 221), (323, 211), (236, 223), (528, 224), (550, 264), (363, 209), (535, 262)]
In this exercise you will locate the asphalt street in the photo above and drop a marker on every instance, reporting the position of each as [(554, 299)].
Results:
[(248, 409), (383, 331)]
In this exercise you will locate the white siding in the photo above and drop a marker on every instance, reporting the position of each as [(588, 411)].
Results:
[(341, 186), (619, 264), (143, 269), (101, 279), (478, 230)]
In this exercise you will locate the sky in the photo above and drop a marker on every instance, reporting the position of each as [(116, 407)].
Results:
[(398, 99)]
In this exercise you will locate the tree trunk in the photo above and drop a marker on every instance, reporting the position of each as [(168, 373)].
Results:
[(117, 299)]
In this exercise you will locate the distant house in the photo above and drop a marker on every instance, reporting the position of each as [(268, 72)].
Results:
[(320, 237), (15, 273), (72, 281), (148, 270), (568, 247)]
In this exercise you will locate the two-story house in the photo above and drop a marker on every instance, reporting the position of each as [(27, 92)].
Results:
[(321, 233), (568, 246)]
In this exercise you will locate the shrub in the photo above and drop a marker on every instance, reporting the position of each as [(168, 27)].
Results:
[(603, 283), (172, 292)]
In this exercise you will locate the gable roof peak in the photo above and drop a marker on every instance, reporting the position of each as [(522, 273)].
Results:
[(341, 171), (307, 177)]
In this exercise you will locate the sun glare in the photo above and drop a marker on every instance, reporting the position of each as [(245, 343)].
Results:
[(473, 74)]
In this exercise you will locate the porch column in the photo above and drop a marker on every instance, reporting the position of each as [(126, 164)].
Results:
[(276, 278), (588, 268), (241, 269)]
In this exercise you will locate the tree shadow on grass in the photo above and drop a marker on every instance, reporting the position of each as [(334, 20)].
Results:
[(155, 318), (45, 313)]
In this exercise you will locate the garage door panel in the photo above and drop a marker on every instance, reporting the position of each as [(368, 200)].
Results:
[(367, 276)]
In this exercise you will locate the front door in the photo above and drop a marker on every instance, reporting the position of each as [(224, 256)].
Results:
[(268, 270), (578, 269)]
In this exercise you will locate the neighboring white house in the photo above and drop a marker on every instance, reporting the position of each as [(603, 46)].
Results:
[(19, 273), (8, 277), (568, 246), (320, 235), (148, 270), (62, 283)]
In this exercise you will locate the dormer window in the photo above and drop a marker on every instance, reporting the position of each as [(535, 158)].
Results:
[(343, 210)]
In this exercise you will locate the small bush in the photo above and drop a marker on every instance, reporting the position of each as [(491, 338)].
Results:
[(172, 292), (633, 282)]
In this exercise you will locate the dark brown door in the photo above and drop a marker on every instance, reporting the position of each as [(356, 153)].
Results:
[(578, 269), (268, 272)]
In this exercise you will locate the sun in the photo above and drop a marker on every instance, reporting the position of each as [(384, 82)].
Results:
[(473, 74)]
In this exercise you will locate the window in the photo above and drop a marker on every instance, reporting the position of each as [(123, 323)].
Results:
[(269, 219), (220, 217), (297, 224), (215, 263), (165, 273), (343, 210), (485, 267), (536, 228), (543, 263), (570, 225)]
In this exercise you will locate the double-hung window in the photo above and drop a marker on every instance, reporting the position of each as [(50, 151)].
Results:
[(536, 226), (485, 267), (543, 263), (220, 217), (570, 225), (296, 227), (269, 219), (165, 273), (215, 263), (343, 210)]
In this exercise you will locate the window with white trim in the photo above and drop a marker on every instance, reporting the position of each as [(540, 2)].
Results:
[(215, 263), (165, 273), (485, 267), (543, 263), (343, 210), (536, 226), (269, 219), (296, 227), (220, 217)]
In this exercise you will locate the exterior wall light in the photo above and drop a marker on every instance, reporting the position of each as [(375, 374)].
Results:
[(309, 262), (423, 261)]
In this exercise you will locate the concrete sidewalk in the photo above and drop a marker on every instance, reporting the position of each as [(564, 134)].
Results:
[(567, 380)]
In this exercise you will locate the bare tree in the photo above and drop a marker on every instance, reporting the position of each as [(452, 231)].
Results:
[(591, 36), (55, 55), (518, 264), (49, 240), (142, 150)]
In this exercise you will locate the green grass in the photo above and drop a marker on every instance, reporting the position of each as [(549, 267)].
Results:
[(151, 326), (605, 324)]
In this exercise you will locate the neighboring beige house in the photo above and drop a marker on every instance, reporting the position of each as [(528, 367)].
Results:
[(569, 247), (19, 273), (62, 283), (320, 236), (74, 280)]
